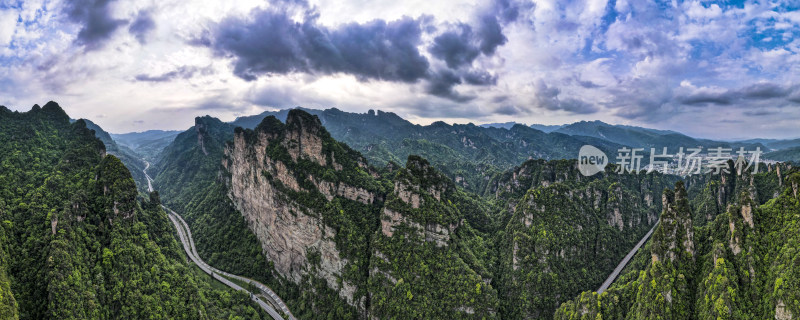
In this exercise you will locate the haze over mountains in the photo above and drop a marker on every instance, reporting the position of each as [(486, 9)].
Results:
[(467, 153)]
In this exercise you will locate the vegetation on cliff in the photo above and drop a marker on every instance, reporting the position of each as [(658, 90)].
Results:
[(738, 265), (78, 243)]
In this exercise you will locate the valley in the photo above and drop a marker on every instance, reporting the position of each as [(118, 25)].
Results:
[(399, 160), (307, 227)]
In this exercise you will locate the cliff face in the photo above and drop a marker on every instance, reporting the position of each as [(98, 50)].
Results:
[(420, 254), (332, 225), (281, 178), (674, 239)]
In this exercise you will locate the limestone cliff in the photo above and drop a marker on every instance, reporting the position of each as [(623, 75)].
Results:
[(283, 179), (420, 252)]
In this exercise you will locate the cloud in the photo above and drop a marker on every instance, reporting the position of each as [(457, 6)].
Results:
[(456, 47), (142, 26), (479, 77), (274, 41), (509, 110), (8, 24), (764, 90), (94, 16), (704, 97), (270, 42), (761, 91), (547, 97), (183, 72), (756, 113), (644, 99), (442, 83), (491, 34), (274, 96)]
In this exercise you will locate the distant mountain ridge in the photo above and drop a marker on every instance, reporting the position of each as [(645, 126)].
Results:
[(639, 137), (148, 144), (507, 125), (466, 153), (547, 128)]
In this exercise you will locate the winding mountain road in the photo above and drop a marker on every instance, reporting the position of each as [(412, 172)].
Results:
[(149, 181), (625, 261), (185, 235)]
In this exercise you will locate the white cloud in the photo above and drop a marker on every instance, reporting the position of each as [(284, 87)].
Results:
[(8, 25), (631, 70)]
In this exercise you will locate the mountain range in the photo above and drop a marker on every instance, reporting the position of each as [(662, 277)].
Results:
[(362, 216)]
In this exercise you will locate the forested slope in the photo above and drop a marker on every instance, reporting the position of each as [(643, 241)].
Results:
[(565, 233), (83, 245), (130, 158), (335, 237), (739, 264)]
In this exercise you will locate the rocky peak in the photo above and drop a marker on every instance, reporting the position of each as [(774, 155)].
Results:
[(282, 177), (794, 182), (304, 136), (206, 127), (674, 238), (270, 126), (423, 205), (51, 110)]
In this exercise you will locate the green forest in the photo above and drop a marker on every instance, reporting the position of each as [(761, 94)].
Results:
[(443, 233), (79, 242), (532, 239)]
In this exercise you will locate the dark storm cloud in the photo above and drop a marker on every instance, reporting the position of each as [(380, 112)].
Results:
[(764, 91), (643, 99), (441, 85), (95, 19), (795, 98), (271, 42), (490, 26), (442, 82), (479, 78), (759, 92), (279, 97), (508, 10), (702, 98), (577, 106), (456, 47), (142, 26), (491, 34)]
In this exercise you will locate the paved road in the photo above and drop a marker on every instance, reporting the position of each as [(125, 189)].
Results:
[(149, 181), (185, 235), (625, 261)]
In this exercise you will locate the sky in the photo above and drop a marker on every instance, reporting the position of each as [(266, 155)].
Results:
[(712, 69)]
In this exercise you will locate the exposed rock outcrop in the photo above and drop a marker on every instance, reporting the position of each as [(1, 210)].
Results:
[(264, 187), (674, 237)]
